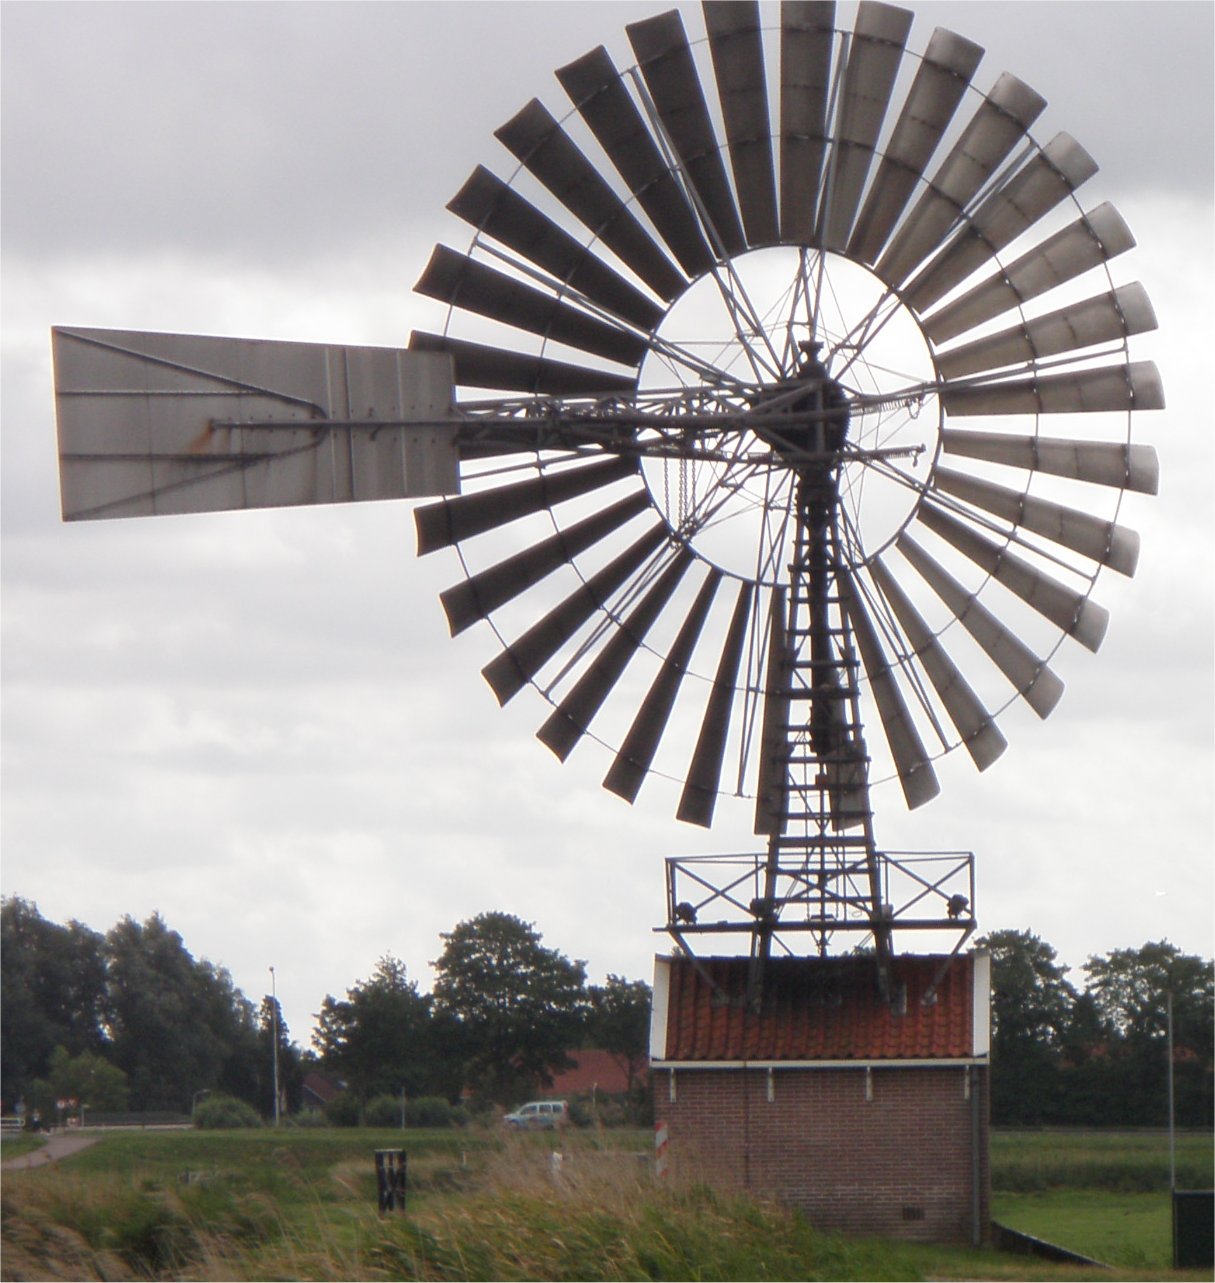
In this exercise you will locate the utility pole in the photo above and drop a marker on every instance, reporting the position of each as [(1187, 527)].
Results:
[(274, 1022)]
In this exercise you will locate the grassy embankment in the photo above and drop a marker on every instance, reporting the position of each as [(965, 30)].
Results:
[(302, 1205)]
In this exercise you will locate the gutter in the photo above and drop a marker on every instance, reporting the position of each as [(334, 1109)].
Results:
[(954, 1062)]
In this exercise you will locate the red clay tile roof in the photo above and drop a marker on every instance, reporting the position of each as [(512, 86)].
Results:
[(323, 1087), (818, 1009), (598, 1070)]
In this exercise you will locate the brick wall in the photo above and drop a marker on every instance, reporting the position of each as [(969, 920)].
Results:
[(893, 1160)]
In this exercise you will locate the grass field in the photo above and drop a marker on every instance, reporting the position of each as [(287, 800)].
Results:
[(1129, 1162), (1102, 1194), (1133, 1231), (301, 1204)]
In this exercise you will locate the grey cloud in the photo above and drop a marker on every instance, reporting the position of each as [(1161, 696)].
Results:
[(261, 130)]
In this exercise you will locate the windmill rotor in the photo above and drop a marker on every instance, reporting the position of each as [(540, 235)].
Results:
[(781, 417), (668, 207), (828, 299)]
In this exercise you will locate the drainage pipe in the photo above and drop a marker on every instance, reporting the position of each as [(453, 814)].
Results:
[(976, 1159)]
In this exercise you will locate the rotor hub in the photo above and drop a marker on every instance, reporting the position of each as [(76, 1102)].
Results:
[(808, 428)]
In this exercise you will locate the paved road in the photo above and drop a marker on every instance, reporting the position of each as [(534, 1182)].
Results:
[(56, 1147)]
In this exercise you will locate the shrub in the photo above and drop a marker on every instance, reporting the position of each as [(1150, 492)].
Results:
[(582, 1114), (482, 1110), (602, 1111), (343, 1110), (225, 1111), (383, 1111), (428, 1111), (308, 1118)]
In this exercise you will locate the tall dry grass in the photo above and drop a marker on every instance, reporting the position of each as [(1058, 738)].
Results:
[(600, 1214), (593, 1214)]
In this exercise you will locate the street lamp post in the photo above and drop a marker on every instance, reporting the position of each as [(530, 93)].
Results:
[(1172, 1122), (274, 1023)]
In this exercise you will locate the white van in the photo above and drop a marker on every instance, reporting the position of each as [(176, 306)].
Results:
[(539, 1114)]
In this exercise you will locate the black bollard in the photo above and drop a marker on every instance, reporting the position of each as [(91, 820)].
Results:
[(390, 1179)]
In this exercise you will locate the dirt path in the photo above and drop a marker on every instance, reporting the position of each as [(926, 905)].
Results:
[(56, 1147)]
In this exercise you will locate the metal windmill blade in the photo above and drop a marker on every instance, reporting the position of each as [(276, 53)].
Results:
[(782, 414)]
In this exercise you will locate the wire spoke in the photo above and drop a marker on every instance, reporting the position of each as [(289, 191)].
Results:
[(747, 329)]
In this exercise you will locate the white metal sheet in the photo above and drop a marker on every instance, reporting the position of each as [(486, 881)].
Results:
[(1107, 318), (1100, 463), (1035, 682), (175, 423), (1100, 235)]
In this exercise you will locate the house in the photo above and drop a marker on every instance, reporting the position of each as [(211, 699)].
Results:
[(320, 1090), (595, 1073), (869, 1116)]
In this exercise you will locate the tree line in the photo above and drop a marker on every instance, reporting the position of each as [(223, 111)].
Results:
[(130, 1020), (1098, 1056)]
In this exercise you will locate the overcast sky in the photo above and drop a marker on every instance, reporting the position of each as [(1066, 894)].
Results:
[(257, 723)]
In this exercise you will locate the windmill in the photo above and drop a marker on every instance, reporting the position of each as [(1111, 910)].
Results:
[(788, 397)]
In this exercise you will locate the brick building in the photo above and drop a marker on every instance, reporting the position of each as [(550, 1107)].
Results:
[(595, 1071), (870, 1117)]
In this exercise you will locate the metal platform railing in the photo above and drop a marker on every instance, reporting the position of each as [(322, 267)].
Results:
[(723, 895)]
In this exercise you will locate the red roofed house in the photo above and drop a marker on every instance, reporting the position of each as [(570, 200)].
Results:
[(592, 1071), (868, 1116)]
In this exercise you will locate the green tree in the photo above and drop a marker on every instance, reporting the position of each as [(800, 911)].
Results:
[(88, 1079), (517, 1006), (618, 1022), (290, 1072), (1031, 1002), (52, 994), (1130, 989), (178, 1025), (381, 1037), (1088, 1081)]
